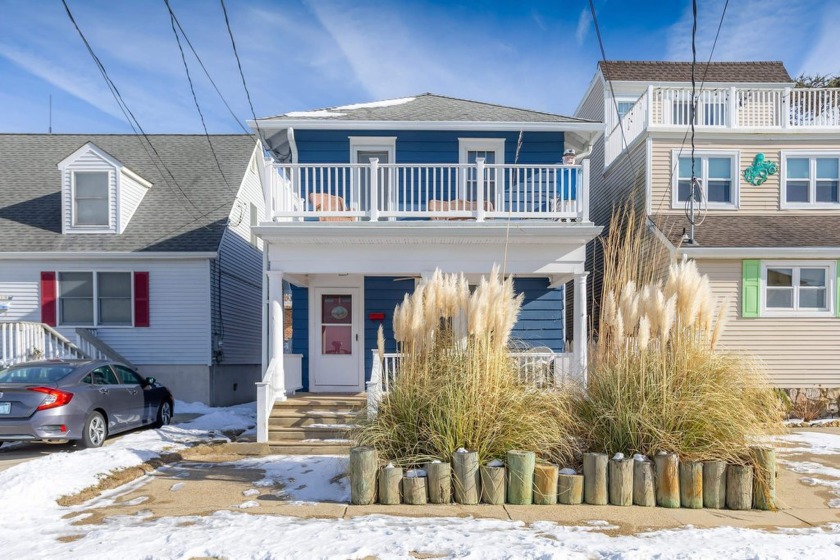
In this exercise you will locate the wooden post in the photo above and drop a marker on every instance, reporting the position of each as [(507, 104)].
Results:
[(389, 485), (714, 484), (467, 481), (595, 478), (364, 464), (493, 485), (570, 489), (691, 484), (739, 486), (764, 481), (643, 486), (667, 480), (520, 477), (621, 482), (545, 484), (414, 490), (439, 482)]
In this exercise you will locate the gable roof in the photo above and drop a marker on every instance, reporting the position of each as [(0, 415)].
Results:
[(752, 231), (165, 221), (663, 71), (426, 107)]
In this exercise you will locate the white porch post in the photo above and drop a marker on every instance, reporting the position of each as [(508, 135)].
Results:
[(581, 335), (275, 297)]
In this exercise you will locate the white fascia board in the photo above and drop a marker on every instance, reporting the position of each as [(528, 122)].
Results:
[(111, 255), (131, 174), (597, 78), (90, 146), (767, 133), (324, 124), (760, 252)]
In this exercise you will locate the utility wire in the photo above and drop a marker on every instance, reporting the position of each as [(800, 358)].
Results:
[(195, 98), (241, 73), (132, 120)]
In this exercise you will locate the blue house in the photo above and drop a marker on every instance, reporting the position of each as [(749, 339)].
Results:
[(364, 200)]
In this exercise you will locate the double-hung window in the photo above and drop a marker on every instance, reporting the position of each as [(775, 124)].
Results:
[(718, 179), (798, 288), (811, 181), (91, 201), (95, 298)]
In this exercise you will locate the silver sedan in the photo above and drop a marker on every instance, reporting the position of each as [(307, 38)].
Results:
[(84, 401)]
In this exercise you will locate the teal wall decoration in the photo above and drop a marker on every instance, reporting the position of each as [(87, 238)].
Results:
[(758, 172)]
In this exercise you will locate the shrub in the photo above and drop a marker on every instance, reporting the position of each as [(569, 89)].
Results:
[(457, 385)]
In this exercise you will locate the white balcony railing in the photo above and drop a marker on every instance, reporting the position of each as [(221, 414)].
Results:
[(478, 191), (541, 369), (799, 109), (25, 341)]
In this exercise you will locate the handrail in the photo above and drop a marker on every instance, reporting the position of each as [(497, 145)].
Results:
[(266, 397), (374, 386), (102, 347), (22, 341)]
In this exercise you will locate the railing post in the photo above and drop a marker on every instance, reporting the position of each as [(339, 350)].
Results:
[(733, 107), (583, 193), (581, 337), (373, 197), (479, 188), (786, 108), (275, 296), (374, 387), (649, 107)]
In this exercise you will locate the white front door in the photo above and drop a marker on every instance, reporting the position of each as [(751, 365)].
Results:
[(336, 359)]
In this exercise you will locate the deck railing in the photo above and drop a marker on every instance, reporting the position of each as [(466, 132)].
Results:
[(799, 109), (541, 369), (23, 341), (475, 191)]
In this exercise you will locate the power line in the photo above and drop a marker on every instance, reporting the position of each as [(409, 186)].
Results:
[(195, 98), (241, 73), (129, 115)]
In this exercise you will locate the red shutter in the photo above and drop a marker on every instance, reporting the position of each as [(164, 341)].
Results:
[(48, 293), (141, 299)]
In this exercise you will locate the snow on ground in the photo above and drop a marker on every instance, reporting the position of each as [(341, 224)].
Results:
[(817, 443), (32, 521)]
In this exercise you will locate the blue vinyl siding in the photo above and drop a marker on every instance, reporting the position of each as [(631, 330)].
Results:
[(542, 316), (300, 329), (382, 294)]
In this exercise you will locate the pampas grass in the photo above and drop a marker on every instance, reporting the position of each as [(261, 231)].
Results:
[(457, 385), (655, 382)]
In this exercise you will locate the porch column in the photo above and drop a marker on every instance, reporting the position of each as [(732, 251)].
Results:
[(581, 335), (275, 329)]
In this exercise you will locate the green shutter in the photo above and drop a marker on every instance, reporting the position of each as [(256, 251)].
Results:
[(837, 289), (751, 289)]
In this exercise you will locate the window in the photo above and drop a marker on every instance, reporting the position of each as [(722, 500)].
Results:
[(811, 180), (624, 107), (718, 176), (797, 288), (91, 198), (103, 375), (127, 376), (492, 150), (112, 292)]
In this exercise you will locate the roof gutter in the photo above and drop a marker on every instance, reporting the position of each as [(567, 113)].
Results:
[(110, 256), (324, 124), (760, 252)]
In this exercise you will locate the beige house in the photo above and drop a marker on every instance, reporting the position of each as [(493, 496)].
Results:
[(766, 205)]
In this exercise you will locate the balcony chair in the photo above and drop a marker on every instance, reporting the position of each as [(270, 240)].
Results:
[(456, 205), (323, 202)]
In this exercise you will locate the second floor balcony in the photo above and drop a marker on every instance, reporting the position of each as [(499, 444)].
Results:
[(719, 109), (477, 191)]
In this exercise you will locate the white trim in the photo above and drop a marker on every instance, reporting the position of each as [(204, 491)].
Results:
[(812, 156), (373, 143), (92, 255), (132, 175), (494, 126), (89, 147), (290, 136), (95, 278), (796, 265), (99, 228), (760, 252), (597, 77), (353, 285), (496, 145), (648, 174), (703, 156)]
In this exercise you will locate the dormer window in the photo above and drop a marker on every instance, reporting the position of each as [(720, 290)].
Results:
[(91, 198)]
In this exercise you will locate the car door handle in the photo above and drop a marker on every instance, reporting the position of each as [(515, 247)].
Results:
[(133, 391), (103, 390)]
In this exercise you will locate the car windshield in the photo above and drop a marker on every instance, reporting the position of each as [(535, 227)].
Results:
[(35, 374)]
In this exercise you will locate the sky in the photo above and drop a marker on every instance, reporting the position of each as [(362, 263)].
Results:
[(306, 54)]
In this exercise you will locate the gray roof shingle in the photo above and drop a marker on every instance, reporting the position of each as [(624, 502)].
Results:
[(427, 107), (166, 220), (662, 71), (750, 231)]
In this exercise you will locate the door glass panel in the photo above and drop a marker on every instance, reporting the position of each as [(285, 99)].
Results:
[(364, 178), (104, 376), (337, 324)]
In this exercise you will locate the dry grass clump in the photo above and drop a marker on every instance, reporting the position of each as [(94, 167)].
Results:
[(655, 381), (457, 385)]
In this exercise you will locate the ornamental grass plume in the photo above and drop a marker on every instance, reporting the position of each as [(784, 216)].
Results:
[(655, 380), (457, 385)]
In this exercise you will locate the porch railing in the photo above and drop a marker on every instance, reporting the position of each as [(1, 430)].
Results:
[(268, 392), (796, 109), (380, 191), (541, 369), (23, 341)]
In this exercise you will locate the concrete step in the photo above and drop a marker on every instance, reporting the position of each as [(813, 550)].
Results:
[(297, 447), (308, 433), (294, 418)]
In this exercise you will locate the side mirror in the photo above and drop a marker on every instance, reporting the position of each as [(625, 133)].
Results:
[(150, 381)]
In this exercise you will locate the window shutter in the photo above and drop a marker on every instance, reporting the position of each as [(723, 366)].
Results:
[(751, 289), (48, 295), (141, 299)]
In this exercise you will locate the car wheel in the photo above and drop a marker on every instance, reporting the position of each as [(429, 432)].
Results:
[(164, 417), (95, 430)]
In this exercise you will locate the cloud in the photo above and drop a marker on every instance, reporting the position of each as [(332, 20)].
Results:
[(824, 55), (582, 26)]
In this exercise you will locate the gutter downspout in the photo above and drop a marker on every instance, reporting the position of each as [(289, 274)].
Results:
[(290, 134)]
